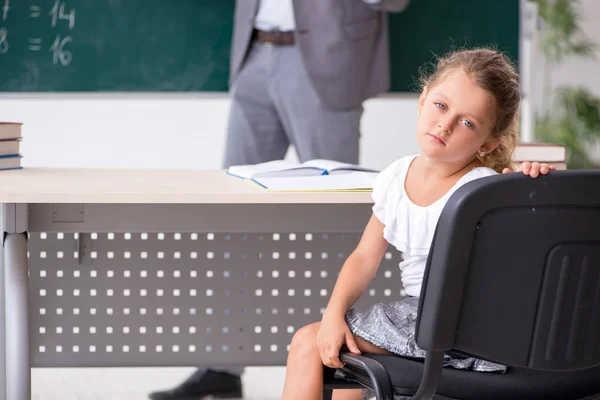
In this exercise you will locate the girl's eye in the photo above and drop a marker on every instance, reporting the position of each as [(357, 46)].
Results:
[(468, 123), (440, 106)]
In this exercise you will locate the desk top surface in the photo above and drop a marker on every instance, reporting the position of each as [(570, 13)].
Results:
[(87, 185)]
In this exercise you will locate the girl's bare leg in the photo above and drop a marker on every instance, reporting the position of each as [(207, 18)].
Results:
[(347, 394), (304, 371)]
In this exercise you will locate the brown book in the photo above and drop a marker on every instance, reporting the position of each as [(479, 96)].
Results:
[(10, 130), (10, 162), (10, 147), (540, 152), (558, 165)]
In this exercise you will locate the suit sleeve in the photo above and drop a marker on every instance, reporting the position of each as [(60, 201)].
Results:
[(387, 5)]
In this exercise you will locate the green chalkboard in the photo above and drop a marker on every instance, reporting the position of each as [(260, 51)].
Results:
[(116, 45), (430, 27), (183, 45)]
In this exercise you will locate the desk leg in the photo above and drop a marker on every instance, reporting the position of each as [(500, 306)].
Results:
[(2, 323), (18, 370)]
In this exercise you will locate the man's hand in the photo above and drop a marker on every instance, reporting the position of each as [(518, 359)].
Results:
[(533, 169)]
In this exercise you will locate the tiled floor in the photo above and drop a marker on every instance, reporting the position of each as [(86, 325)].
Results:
[(264, 383)]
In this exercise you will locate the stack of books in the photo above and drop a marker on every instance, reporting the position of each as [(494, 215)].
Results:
[(549, 153), (10, 145)]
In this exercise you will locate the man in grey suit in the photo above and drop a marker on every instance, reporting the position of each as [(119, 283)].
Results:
[(299, 73)]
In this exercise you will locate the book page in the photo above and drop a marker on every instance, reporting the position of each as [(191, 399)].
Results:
[(352, 181), (324, 164), (332, 166), (291, 172), (251, 170)]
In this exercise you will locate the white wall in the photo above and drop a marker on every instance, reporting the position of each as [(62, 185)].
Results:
[(169, 131)]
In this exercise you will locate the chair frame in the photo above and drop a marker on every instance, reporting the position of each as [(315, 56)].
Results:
[(437, 321)]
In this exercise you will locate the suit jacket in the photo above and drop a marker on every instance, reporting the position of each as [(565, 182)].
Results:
[(344, 45)]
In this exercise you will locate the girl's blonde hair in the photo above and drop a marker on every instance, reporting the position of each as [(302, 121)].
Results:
[(495, 73)]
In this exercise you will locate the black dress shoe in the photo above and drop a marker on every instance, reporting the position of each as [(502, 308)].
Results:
[(204, 382)]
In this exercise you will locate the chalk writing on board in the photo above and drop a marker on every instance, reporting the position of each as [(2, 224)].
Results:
[(59, 54), (3, 30), (3, 40), (35, 11), (35, 44), (58, 12), (5, 9)]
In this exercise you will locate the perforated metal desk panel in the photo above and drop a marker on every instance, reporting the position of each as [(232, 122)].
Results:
[(158, 268)]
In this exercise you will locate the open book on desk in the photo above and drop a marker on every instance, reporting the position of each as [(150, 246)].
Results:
[(355, 181), (283, 168)]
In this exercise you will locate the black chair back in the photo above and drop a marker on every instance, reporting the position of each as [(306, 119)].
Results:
[(514, 272)]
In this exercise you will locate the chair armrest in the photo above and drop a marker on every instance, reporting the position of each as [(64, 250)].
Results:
[(331, 382), (380, 380)]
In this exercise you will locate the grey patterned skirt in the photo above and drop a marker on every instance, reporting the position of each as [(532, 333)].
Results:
[(392, 327)]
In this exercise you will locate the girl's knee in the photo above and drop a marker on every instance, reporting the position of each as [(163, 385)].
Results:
[(306, 337)]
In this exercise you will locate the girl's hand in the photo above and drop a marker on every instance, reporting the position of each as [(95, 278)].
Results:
[(333, 334), (533, 169)]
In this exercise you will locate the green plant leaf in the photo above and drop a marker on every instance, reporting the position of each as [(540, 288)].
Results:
[(560, 35)]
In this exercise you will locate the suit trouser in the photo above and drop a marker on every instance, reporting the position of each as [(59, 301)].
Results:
[(274, 104)]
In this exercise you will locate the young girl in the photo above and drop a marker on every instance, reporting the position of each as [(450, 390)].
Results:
[(467, 129)]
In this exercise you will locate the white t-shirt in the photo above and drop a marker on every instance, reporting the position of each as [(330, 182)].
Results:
[(275, 15), (407, 226)]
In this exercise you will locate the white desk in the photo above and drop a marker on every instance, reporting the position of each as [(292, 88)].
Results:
[(142, 267)]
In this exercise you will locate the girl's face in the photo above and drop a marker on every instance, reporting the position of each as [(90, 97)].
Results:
[(456, 120)]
